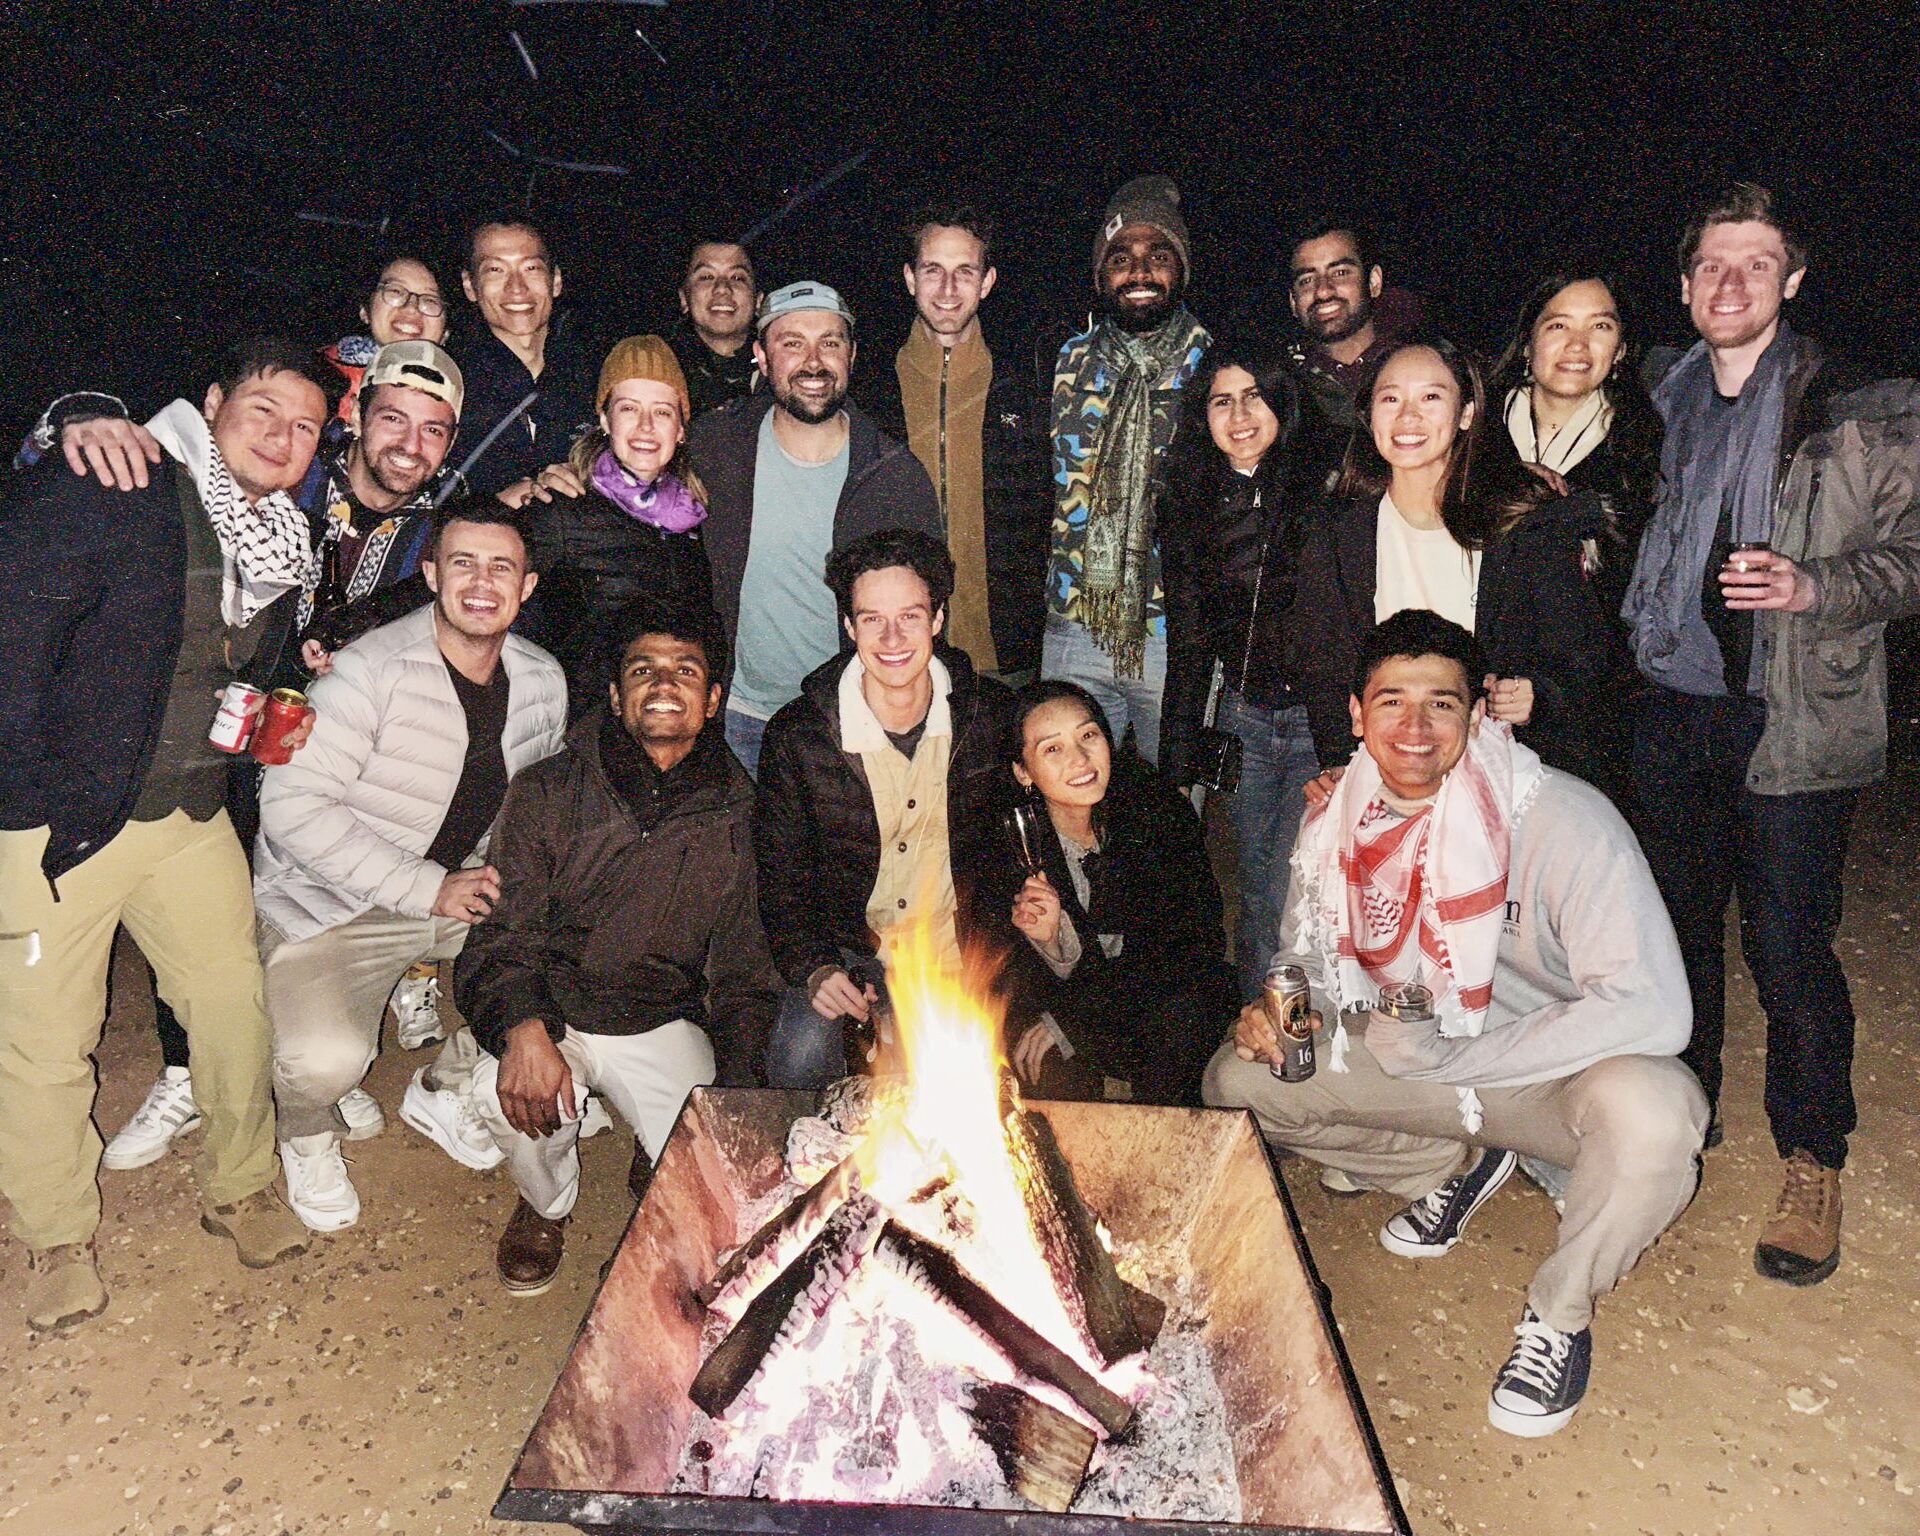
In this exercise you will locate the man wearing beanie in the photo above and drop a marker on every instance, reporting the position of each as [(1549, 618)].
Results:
[(1115, 393)]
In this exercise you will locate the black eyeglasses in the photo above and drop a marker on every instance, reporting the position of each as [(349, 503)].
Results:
[(394, 296)]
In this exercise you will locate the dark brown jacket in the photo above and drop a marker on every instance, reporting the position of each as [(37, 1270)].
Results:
[(617, 929)]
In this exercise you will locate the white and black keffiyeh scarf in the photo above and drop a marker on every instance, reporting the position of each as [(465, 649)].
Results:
[(264, 543)]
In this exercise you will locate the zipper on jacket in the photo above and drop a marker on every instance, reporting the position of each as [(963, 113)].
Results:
[(946, 361)]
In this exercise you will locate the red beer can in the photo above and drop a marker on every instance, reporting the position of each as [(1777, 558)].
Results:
[(284, 713), (239, 713)]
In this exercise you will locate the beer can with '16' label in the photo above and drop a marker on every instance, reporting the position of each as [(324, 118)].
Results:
[(234, 721), (1289, 1003)]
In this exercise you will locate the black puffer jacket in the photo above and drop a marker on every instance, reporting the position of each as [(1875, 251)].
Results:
[(815, 831), (1229, 567), (593, 559), (1152, 884), (1536, 617)]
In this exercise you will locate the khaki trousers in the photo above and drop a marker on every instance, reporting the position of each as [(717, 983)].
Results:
[(327, 996), (1629, 1128), (182, 889), (645, 1077)]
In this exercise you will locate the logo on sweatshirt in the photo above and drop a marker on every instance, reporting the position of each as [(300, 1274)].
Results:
[(1510, 919)]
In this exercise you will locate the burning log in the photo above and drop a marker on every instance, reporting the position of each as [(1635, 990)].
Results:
[(1149, 1313), (1066, 1233), (1043, 1452), (797, 1222), (1031, 1353), (789, 1304)]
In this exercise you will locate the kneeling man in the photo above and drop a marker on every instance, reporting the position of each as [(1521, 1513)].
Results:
[(624, 955), (1448, 856)]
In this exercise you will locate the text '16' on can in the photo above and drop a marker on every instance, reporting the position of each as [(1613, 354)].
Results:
[(284, 713), (1407, 1001), (1289, 1003), (234, 721)]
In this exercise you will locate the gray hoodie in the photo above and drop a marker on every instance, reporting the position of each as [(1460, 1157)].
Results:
[(1588, 965)]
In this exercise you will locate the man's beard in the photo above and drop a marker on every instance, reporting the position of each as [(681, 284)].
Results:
[(1138, 319), (801, 409), (1349, 323), (393, 487)]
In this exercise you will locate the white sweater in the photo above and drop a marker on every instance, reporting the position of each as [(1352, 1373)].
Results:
[(345, 827), (1588, 965)]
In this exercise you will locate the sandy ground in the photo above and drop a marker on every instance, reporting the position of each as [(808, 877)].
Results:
[(384, 1382)]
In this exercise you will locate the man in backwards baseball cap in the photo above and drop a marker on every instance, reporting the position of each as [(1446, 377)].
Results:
[(792, 474), (1115, 400)]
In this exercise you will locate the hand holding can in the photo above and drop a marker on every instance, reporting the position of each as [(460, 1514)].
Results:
[(235, 721), (1289, 1006), (285, 714)]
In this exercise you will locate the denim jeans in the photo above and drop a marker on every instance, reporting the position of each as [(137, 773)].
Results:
[(808, 1051), (1068, 652), (1277, 764), (1709, 837), (745, 733)]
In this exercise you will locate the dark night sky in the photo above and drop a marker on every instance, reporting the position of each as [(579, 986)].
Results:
[(158, 160)]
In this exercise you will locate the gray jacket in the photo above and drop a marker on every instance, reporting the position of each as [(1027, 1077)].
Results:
[(1847, 514)]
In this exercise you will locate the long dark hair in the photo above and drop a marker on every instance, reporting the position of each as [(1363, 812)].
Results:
[(1636, 433), (1194, 468), (1486, 489)]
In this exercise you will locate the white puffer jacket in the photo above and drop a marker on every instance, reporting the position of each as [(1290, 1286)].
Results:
[(345, 827)]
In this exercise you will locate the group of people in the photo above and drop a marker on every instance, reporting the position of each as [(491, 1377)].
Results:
[(661, 700)]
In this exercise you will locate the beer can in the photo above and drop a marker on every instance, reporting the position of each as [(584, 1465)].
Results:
[(1289, 1004), (283, 714), (238, 714), (1407, 1001)]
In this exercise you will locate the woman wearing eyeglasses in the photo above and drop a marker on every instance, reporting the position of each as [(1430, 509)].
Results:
[(404, 304)]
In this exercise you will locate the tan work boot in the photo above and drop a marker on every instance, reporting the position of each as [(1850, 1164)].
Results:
[(263, 1230), (1801, 1241), (65, 1288)]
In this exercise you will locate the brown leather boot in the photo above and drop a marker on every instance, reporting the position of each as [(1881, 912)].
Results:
[(530, 1251), (639, 1171), (1801, 1241)]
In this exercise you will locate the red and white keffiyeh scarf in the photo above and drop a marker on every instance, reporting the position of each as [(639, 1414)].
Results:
[(1419, 898)]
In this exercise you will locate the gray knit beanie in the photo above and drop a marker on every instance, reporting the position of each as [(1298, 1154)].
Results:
[(1152, 200)]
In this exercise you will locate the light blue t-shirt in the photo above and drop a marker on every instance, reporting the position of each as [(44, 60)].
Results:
[(788, 624)]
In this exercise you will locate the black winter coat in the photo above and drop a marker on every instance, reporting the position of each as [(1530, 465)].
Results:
[(1229, 569), (593, 559), (886, 488), (815, 831), (496, 381), (1151, 883), (615, 930), (1536, 617), (1016, 465)]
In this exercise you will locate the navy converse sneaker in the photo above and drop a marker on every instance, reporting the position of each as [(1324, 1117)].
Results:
[(1543, 1380), (1433, 1224)]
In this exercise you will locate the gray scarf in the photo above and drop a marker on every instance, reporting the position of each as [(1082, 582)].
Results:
[(1115, 588), (1719, 460)]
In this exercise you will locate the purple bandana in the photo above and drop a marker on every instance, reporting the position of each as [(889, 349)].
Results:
[(666, 504)]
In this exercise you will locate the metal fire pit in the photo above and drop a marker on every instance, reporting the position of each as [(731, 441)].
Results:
[(606, 1446)]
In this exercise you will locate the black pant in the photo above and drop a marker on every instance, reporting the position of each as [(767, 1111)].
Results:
[(1707, 837)]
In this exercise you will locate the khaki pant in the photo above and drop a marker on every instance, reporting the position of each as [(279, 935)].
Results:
[(645, 1077), (183, 891), (1629, 1128), (327, 996)]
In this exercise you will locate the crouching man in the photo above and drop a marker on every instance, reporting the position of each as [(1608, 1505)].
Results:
[(1449, 857), (373, 841), (624, 955)]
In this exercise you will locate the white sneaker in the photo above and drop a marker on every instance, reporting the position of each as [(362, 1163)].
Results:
[(596, 1119), (362, 1114), (1337, 1181), (167, 1111), (416, 1010), (318, 1189), (448, 1119)]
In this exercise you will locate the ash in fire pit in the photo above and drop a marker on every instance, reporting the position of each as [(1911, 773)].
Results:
[(877, 1388)]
